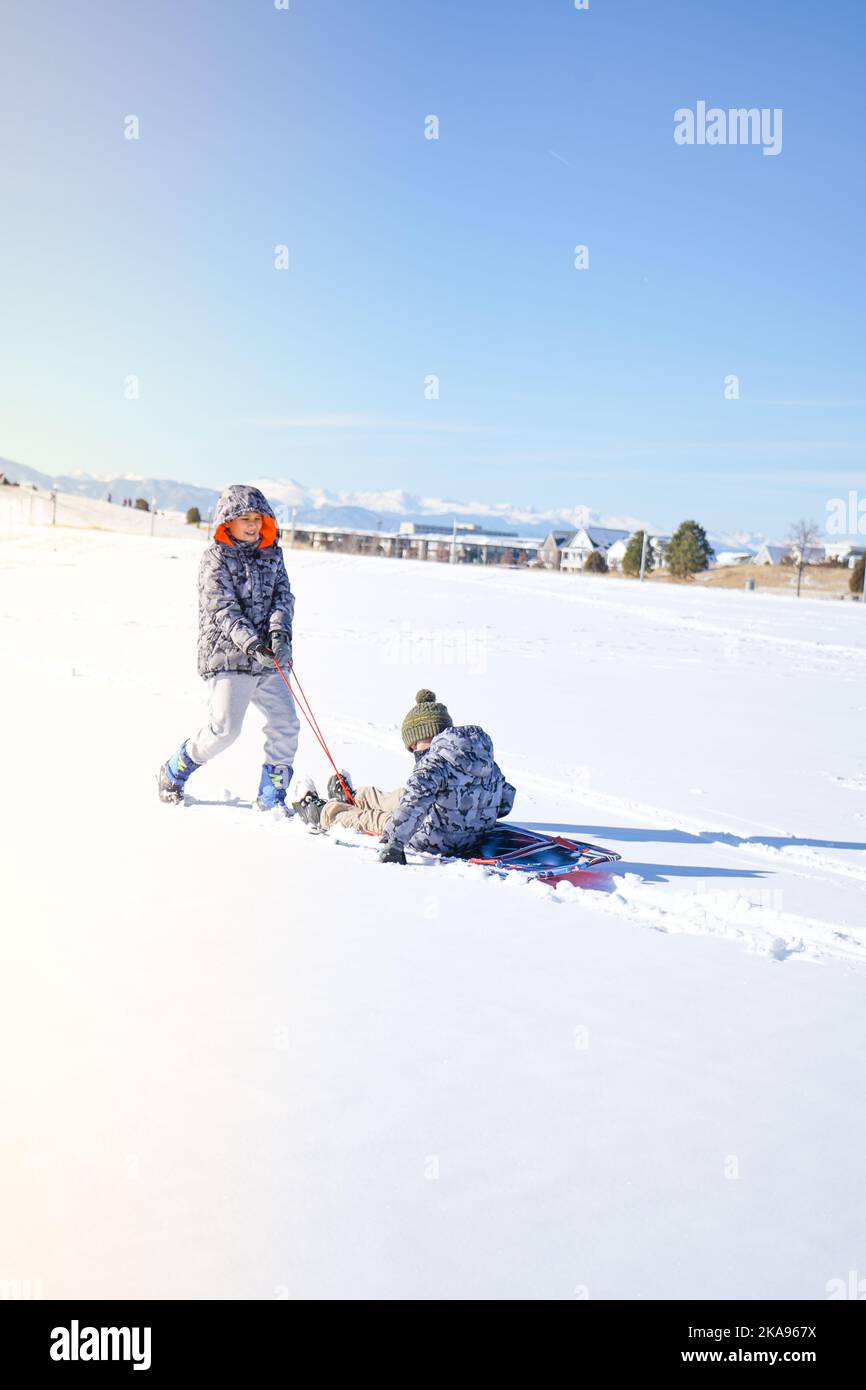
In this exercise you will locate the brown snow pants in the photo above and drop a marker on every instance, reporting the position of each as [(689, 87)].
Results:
[(371, 812)]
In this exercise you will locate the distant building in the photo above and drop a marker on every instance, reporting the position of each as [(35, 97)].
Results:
[(550, 552), (577, 549), (789, 554), (658, 546), (616, 553), (773, 555), (844, 552), (464, 528), (471, 546), (813, 555), (734, 557)]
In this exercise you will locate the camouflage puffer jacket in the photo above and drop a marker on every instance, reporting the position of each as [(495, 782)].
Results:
[(456, 792), (243, 589)]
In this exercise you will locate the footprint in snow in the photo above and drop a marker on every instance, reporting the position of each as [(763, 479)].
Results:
[(780, 950), (851, 784)]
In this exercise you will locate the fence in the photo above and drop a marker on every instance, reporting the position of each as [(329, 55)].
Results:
[(21, 507)]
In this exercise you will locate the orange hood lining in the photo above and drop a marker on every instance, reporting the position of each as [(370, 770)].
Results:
[(268, 535)]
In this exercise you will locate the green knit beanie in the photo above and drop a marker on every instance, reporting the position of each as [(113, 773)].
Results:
[(425, 719)]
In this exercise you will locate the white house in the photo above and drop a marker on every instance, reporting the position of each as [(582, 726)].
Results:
[(772, 555), (550, 553), (844, 552), (813, 554), (734, 557), (658, 547), (616, 553), (580, 546)]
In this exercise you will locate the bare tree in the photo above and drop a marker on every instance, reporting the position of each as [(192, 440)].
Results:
[(804, 535)]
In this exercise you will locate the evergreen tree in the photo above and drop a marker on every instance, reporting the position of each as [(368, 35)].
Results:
[(689, 551), (596, 562), (193, 517), (631, 558)]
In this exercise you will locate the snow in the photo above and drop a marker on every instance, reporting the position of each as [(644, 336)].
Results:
[(249, 1063), (22, 507)]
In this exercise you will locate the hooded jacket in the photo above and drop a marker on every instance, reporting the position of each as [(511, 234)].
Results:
[(455, 793), (243, 588)]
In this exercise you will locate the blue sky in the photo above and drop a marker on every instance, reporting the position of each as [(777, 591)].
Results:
[(410, 257)]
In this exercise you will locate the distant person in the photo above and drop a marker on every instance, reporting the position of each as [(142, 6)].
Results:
[(109, 497), (454, 793), (245, 612)]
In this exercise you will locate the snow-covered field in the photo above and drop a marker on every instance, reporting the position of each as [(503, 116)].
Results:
[(244, 1062)]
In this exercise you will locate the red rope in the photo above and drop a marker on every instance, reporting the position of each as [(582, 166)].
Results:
[(307, 711)]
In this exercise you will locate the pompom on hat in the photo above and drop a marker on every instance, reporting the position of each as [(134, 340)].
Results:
[(426, 719)]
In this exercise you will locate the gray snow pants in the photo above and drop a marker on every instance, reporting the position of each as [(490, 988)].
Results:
[(229, 695)]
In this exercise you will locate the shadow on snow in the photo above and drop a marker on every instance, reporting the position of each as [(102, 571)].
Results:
[(686, 837)]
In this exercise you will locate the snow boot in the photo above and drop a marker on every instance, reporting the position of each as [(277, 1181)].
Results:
[(273, 786), (336, 791), (309, 807), (173, 774)]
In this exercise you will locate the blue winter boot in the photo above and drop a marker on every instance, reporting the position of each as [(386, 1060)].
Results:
[(273, 787), (173, 775)]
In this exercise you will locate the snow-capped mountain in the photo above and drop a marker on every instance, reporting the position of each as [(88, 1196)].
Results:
[(169, 495), (389, 508), (364, 509)]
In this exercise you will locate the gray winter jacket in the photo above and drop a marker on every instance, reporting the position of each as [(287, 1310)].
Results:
[(455, 793), (243, 589)]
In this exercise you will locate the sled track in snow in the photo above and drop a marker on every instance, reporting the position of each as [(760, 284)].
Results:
[(750, 632), (749, 917), (810, 862)]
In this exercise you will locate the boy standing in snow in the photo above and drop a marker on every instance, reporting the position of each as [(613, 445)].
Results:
[(455, 792), (245, 609)]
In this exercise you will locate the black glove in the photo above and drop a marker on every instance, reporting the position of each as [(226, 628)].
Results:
[(392, 853), (257, 651), (281, 646)]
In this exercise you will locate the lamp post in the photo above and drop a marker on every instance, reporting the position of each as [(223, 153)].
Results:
[(643, 550)]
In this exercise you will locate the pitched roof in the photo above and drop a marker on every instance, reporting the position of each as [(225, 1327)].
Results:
[(775, 553), (599, 536)]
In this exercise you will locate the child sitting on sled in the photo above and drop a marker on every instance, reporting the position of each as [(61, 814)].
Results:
[(454, 793)]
